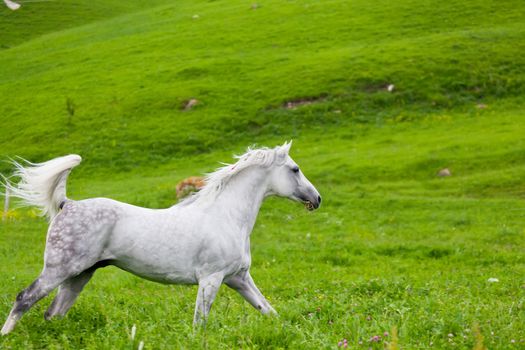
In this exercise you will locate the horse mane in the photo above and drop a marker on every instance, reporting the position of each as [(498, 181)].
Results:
[(217, 180)]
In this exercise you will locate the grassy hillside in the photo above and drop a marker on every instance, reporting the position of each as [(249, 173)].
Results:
[(36, 18), (393, 244), (128, 78)]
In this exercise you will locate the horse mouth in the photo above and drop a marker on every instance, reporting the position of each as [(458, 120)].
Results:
[(309, 205)]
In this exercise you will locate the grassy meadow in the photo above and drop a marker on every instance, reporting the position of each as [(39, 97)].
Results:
[(394, 248)]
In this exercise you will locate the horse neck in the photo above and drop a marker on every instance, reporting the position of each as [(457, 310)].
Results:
[(242, 197)]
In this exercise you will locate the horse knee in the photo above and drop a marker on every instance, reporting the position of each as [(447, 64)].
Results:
[(24, 299), (22, 304)]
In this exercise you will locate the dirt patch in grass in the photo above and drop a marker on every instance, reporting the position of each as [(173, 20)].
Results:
[(303, 101)]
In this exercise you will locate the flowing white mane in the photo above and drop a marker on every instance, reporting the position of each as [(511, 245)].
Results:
[(263, 157)]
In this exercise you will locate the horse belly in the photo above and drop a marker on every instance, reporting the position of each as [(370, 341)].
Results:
[(150, 252), (176, 249), (155, 274)]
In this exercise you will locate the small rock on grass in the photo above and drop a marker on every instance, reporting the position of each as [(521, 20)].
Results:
[(444, 173), (190, 104)]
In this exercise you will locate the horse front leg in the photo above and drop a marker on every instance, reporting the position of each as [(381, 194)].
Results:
[(245, 286), (208, 288)]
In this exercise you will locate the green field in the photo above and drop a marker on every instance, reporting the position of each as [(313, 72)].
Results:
[(393, 246)]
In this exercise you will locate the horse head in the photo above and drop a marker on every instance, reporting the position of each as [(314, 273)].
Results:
[(287, 180)]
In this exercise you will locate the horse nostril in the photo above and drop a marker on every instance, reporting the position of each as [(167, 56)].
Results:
[(319, 199)]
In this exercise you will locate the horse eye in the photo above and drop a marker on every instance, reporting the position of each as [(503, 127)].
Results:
[(295, 169)]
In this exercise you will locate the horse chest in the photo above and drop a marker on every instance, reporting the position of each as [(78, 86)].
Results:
[(232, 256)]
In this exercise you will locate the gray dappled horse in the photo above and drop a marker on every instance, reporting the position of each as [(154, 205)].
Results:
[(203, 240)]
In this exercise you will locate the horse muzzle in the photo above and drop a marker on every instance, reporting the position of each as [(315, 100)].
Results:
[(312, 205), (311, 202)]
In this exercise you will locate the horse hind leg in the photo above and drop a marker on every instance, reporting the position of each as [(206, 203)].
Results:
[(70, 289), (67, 256), (41, 287), (71, 284), (67, 294)]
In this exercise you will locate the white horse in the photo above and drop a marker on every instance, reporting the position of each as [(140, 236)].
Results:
[(203, 240)]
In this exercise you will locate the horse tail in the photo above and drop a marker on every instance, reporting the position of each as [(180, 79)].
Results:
[(42, 184)]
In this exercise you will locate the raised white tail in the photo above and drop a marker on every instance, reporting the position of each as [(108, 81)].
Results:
[(43, 184)]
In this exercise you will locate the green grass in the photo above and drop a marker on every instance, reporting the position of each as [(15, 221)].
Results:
[(393, 244), (38, 18), (128, 77)]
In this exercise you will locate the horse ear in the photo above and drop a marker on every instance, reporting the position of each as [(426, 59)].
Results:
[(281, 152), (286, 147)]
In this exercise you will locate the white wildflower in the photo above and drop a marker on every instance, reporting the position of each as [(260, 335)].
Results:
[(133, 332), (12, 5), (141, 345), (493, 280)]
